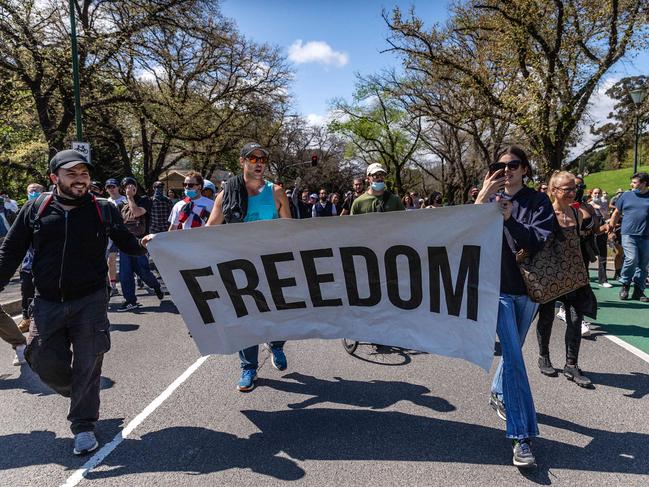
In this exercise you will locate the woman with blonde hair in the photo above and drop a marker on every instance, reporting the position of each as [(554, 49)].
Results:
[(562, 190)]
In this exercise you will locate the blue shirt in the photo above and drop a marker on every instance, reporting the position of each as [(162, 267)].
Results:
[(262, 206), (635, 208)]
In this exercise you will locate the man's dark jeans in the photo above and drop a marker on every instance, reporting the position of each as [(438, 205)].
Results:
[(26, 291), (83, 325)]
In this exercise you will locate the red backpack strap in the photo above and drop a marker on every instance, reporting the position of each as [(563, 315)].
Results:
[(101, 217), (44, 204)]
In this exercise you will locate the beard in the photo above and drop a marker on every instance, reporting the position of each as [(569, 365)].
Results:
[(73, 192)]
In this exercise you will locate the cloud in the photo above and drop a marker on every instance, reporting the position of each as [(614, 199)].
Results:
[(315, 119), (316, 52)]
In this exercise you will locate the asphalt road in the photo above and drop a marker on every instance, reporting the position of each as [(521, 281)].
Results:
[(330, 419)]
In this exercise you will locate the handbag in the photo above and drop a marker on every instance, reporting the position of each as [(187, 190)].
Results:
[(557, 269)]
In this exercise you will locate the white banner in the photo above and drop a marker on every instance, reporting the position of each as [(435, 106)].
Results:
[(426, 280)]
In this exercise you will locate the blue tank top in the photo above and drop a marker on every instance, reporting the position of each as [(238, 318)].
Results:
[(262, 206)]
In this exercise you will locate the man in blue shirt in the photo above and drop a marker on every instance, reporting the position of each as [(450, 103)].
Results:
[(634, 206)]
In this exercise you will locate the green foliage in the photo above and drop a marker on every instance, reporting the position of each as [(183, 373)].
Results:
[(610, 181)]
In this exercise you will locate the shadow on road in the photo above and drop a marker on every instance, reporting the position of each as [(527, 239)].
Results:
[(123, 327), (636, 382), (44, 447), (375, 394), (288, 437)]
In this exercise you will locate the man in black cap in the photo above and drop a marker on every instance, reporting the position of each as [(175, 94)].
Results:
[(69, 231)]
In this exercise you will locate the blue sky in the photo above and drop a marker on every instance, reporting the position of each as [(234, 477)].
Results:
[(330, 41)]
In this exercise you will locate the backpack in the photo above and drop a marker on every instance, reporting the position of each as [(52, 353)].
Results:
[(101, 205)]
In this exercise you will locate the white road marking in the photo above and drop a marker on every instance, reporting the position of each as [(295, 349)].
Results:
[(99, 457), (635, 351)]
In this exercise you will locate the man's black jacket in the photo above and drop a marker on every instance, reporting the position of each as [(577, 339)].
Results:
[(69, 248)]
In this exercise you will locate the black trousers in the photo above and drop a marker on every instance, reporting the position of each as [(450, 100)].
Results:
[(573, 330), (66, 347), (26, 291)]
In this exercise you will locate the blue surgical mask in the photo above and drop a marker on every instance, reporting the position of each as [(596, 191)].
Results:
[(158, 192), (32, 195), (378, 186), (191, 193)]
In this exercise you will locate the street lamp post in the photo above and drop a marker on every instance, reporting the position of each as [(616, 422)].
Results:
[(75, 72), (638, 95)]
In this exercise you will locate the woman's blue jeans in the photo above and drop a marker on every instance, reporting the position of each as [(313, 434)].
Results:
[(515, 314)]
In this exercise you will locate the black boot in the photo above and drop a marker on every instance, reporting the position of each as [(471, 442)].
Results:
[(639, 295), (546, 366), (573, 373), (624, 292)]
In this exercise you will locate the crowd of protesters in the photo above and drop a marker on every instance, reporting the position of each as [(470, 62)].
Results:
[(74, 244)]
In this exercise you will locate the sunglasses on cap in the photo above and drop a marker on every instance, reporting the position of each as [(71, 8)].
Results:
[(511, 165)]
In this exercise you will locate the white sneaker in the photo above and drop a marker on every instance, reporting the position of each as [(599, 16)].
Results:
[(606, 284), (585, 329), (562, 314), (19, 357)]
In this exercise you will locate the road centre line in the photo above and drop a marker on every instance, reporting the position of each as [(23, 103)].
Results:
[(106, 450)]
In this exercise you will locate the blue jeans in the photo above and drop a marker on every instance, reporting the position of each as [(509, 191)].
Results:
[(249, 357), (515, 314), (129, 265), (636, 260)]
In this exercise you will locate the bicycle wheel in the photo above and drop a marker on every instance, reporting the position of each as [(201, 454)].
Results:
[(350, 346)]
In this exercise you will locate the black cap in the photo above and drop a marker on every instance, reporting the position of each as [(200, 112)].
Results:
[(67, 159), (250, 147), (129, 180)]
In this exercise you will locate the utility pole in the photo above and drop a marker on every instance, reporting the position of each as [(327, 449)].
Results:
[(75, 72)]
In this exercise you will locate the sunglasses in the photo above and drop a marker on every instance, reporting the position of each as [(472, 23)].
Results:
[(255, 159), (511, 165), (191, 185), (567, 190), (110, 186)]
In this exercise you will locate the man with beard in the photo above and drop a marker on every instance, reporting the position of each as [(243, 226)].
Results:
[(69, 231)]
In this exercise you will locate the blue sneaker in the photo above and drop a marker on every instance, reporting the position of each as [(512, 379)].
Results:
[(247, 381), (278, 358)]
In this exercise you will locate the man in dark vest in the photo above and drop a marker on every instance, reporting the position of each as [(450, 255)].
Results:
[(323, 206)]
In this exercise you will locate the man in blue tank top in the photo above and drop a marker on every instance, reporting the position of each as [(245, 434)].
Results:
[(263, 201)]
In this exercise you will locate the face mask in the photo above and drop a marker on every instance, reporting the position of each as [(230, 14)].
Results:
[(32, 195), (597, 201), (378, 186), (158, 192), (191, 193)]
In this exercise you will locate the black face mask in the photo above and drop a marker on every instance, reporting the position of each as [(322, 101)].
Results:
[(71, 201)]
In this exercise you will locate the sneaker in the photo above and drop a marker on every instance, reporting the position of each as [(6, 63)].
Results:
[(247, 381), (278, 358), (585, 329), (639, 295), (498, 406), (606, 284), (573, 373), (523, 456), (19, 356), (546, 366), (158, 292), (561, 314), (23, 326), (114, 291), (128, 307), (624, 292), (84, 442)]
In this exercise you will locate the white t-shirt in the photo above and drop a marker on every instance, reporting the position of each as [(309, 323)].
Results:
[(201, 205)]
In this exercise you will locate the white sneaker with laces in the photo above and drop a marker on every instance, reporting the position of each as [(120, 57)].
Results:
[(606, 284), (561, 314), (19, 357), (585, 329)]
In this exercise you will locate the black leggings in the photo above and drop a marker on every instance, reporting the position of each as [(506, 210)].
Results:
[(573, 331)]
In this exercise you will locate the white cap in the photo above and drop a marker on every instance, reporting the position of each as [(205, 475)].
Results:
[(374, 168)]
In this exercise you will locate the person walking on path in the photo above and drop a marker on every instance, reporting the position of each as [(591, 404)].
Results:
[(528, 223), (633, 207), (69, 335)]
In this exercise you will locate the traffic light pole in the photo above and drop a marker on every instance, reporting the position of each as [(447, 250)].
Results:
[(75, 73)]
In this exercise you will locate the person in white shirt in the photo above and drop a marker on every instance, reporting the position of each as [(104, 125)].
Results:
[(194, 209)]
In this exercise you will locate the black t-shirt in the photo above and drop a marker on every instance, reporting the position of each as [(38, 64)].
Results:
[(143, 202)]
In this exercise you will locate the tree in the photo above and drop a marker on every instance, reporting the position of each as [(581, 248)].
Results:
[(378, 129), (538, 61)]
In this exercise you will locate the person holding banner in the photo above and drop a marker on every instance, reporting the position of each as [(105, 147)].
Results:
[(529, 221), (249, 197)]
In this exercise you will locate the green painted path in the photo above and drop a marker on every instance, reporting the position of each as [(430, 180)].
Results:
[(628, 320)]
